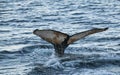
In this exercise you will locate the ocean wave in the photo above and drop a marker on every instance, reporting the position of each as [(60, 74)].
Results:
[(27, 49), (95, 63), (41, 70)]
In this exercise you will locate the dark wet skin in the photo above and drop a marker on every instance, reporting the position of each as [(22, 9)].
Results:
[(60, 48)]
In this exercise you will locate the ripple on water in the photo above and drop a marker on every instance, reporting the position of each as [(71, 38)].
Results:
[(96, 55), (77, 61)]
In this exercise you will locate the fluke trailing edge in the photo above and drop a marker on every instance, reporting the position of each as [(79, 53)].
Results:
[(61, 40)]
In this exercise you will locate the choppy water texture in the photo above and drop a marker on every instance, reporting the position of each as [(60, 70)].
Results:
[(22, 53)]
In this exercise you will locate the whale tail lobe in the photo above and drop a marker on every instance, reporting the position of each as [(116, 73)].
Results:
[(83, 34), (57, 39)]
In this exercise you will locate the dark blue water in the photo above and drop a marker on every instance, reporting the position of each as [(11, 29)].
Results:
[(22, 53)]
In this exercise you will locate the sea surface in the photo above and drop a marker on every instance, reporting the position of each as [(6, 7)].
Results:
[(23, 53)]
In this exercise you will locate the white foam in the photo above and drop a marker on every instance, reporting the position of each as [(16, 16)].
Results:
[(53, 62)]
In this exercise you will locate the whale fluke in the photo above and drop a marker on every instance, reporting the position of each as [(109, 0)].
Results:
[(61, 40)]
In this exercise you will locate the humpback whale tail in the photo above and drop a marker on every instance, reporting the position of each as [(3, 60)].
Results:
[(61, 40)]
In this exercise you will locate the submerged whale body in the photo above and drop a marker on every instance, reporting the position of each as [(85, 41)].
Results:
[(60, 40)]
